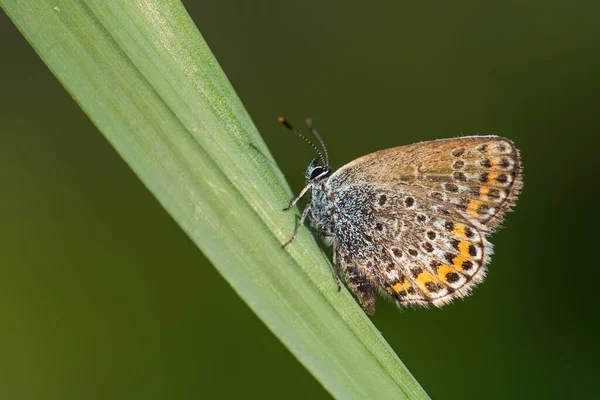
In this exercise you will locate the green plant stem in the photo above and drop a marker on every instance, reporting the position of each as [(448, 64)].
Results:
[(143, 74)]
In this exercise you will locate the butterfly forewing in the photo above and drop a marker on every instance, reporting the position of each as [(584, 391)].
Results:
[(480, 175)]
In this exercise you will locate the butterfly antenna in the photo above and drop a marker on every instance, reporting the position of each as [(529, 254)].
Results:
[(311, 128), (284, 122)]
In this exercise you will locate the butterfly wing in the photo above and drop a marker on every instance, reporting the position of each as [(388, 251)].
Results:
[(479, 175), (435, 257), (355, 278), (407, 223)]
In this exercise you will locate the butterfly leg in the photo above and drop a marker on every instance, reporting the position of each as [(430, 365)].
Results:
[(300, 223), (302, 193)]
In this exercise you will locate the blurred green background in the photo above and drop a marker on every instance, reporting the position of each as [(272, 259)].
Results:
[(103, 296)]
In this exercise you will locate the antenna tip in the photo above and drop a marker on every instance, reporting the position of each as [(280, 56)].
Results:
[(284, 122)]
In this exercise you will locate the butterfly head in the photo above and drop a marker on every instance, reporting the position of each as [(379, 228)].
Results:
[(315, 171), (319, 167)]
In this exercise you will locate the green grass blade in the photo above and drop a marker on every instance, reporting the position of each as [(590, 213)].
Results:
[(143, 74)]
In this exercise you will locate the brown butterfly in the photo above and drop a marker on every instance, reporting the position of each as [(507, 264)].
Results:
[(411, 222)]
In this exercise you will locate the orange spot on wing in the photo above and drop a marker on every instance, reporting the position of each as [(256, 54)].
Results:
[(483, 192), (459, 230), (442, 271), (473, 206), (398, 287), (458, 261), (463, 248), (423, 279)]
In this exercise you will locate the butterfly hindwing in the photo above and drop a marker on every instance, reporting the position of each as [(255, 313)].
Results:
[(442, 261), (407, 247)]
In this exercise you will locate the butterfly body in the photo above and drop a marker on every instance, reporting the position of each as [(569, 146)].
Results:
[(411, 222)]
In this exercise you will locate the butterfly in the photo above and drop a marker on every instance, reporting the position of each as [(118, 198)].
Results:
[(411, 222)]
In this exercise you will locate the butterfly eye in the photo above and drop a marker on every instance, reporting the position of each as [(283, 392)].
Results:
[(316, 172)]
